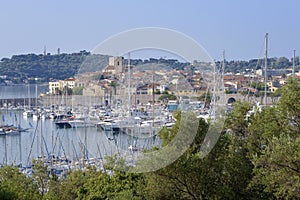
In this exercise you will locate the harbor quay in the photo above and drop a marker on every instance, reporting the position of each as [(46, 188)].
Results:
[(79, 100)]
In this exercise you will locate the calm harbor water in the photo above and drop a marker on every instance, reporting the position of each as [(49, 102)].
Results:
[(43, 138), (22, 91)]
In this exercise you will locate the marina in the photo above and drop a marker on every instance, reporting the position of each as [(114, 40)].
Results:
[(149, 100), (67, 137), (118, 116), (44, 139)]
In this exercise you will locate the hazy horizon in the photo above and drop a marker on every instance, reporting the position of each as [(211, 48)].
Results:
[(238, 27)]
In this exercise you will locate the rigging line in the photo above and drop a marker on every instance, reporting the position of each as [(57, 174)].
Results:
[(31, 146), (251, 80), (74, 149), (257, 63), (64, 154), (45, 145), (59, 146), (101, 158), (105, 150), (55, 142), (85, 150)]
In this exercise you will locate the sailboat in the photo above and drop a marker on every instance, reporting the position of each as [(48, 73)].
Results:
[(10, 129)]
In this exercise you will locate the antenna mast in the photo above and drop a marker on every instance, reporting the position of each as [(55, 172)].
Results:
[(45, 51)]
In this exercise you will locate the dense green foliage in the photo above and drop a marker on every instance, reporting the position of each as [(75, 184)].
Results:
[(253, 64), (45, 67), (167, 96), (15, 185), (77, 90), (256, 85), (23, 68), (256, 157)]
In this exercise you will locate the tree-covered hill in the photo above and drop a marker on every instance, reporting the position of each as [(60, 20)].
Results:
[(45, 67), (238, 66), (20, 68), (23, 68)]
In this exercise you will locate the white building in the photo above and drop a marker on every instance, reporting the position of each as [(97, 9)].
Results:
[(56, 86)]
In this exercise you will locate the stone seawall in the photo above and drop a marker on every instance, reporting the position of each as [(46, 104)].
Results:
[(76, 100)]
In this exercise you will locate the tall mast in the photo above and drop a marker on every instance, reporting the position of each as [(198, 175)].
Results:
[(294, 64), (42, 138), (20, 148), (153, 98), (85, 143), (36, 92), (5, 149), (129, 82), (28, 93), (222, 77), (213, 107), (266, 65)]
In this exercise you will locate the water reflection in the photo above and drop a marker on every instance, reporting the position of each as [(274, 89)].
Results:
[(43, 138)]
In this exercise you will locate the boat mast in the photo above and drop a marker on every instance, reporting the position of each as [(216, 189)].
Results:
[(36, 92), (85, 143), (42, 137), (129, 86), (266, 64), (28, 92), (222, 78), (153, 98), (20, 139), (213, 107), (294, 64), (66, 94), (5, 149)]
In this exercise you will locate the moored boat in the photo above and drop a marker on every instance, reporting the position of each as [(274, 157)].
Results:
[(9, 130), (63, 124), (28, 113)]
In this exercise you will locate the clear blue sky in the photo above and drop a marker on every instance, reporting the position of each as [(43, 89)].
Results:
[(235, 25)]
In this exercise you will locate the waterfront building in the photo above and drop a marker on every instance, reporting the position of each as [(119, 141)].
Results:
[(56, 86)]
